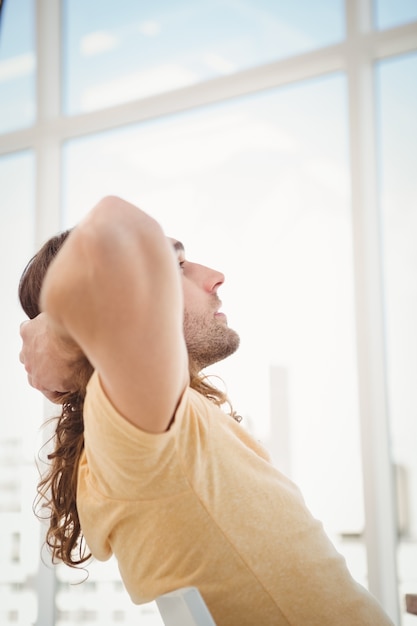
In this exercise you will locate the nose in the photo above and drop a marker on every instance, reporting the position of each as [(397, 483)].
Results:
[(212, 280)]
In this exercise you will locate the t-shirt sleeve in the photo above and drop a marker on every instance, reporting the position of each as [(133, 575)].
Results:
[(121, 458)]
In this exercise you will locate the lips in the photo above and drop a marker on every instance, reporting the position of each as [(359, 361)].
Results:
[(220, 315)]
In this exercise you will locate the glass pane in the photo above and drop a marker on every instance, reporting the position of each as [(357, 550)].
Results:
[(21, 406), (398, 139), (258, 188), (118, 51), (17, 65), (389, 13)]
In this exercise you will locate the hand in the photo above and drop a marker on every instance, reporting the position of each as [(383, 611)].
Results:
[(49, 359)]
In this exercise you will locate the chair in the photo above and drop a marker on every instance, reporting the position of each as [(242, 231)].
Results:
[(411, 603), (184, 607)]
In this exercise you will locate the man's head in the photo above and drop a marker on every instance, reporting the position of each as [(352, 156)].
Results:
[(207, 335)]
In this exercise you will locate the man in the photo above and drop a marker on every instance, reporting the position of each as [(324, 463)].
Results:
[(164, 479)]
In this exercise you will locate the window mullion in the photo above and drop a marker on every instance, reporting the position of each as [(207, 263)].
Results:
[(380, 526), (48, 140), (48, 191)]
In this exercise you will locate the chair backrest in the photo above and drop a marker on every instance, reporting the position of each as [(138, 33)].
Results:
[(184, 607), (411, 603)]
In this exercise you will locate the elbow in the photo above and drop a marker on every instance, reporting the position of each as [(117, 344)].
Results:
[(119, 221)]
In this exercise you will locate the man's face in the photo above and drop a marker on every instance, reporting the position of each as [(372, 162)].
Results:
[(207, 335)]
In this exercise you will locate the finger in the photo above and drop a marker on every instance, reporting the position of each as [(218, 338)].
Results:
[(53, 396), (24, 362), (22, 325)]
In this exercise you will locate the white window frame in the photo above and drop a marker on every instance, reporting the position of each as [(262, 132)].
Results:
[(355, 57)]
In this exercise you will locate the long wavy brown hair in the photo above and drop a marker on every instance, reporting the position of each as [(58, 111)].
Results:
[(57, 487)]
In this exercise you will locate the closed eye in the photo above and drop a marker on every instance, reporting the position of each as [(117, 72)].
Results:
[(179, 249)]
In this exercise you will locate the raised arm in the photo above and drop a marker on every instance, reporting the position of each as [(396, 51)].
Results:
[(114, 288)]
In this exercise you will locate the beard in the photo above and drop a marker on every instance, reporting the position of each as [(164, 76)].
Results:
[(208, 340)]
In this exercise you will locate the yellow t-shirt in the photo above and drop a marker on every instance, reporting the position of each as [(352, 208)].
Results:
[(201, 505)]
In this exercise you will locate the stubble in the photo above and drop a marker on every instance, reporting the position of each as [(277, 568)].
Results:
[(208, 340)]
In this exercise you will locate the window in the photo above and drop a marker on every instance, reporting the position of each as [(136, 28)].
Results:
[(280, 165), (398, 138), (389, 13), (21, 406), (233, 122), (116, 52), (17, 65)]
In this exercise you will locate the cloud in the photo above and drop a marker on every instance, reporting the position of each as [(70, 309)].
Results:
[(149, 28), (97, 43), (219, 64), (15, 67)]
